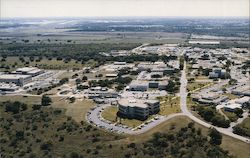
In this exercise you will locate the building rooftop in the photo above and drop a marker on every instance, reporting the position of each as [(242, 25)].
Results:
[(13, 76), (27, 69), (233, 106), (132, 102)]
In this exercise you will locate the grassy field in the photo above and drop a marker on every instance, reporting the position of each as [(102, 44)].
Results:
[(14, 62), (231, 116), (110, 113), (169, 105), (231, 96), (104, 37), (197, 85), (26, 99), (176, 122), (200, 77), (235, 147), (191, 103), (246, 123), (89, 141), (76, 110)]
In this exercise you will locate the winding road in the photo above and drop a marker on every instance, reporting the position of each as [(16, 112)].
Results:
[(185, 111), (95, 117)]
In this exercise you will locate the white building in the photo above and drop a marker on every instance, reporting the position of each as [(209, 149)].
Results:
[(243, 100), (33, 71), (19, 80), (136, 108), (8, 87), (232, 107), (137, 85)]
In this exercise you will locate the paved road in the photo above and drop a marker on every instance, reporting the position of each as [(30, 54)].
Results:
[(95, 117), (184, 108)]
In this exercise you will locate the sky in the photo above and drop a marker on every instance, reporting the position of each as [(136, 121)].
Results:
[(113, 8)]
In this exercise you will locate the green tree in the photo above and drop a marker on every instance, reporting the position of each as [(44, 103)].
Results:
[(72, 99), (15, 107), (36, 107), (215, 137), (238, 112), (46, 100)]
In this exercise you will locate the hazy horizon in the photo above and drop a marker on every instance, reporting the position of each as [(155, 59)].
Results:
[(123, 8)]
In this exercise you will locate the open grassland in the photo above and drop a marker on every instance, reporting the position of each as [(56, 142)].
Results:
[(26, 99), (175, 123), (84, 37), (169, 105), (76, 110), (235, 147), (53, 133), (14, 62)]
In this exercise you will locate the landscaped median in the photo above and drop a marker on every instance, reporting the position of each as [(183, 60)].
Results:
[(195, 86), (169, 105)]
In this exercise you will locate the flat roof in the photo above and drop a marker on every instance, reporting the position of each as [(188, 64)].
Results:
[(242, 100), (35, 71), (138, 83), (13, 76), (233, 106), (133, 102), (26, 69)]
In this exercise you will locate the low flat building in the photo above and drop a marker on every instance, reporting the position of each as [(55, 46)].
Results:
[(136, 85), (241, 90), (161, 85), (210, 98), (232, 107), (243, 100), (138, 109), (33, 71), (113, 75), (19, 80), (101, 92), (8, 87)]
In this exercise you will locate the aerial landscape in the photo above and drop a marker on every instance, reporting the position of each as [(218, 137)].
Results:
[(147, 84)]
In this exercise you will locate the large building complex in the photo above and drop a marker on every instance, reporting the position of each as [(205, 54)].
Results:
[(137, 108), (21, 76)]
